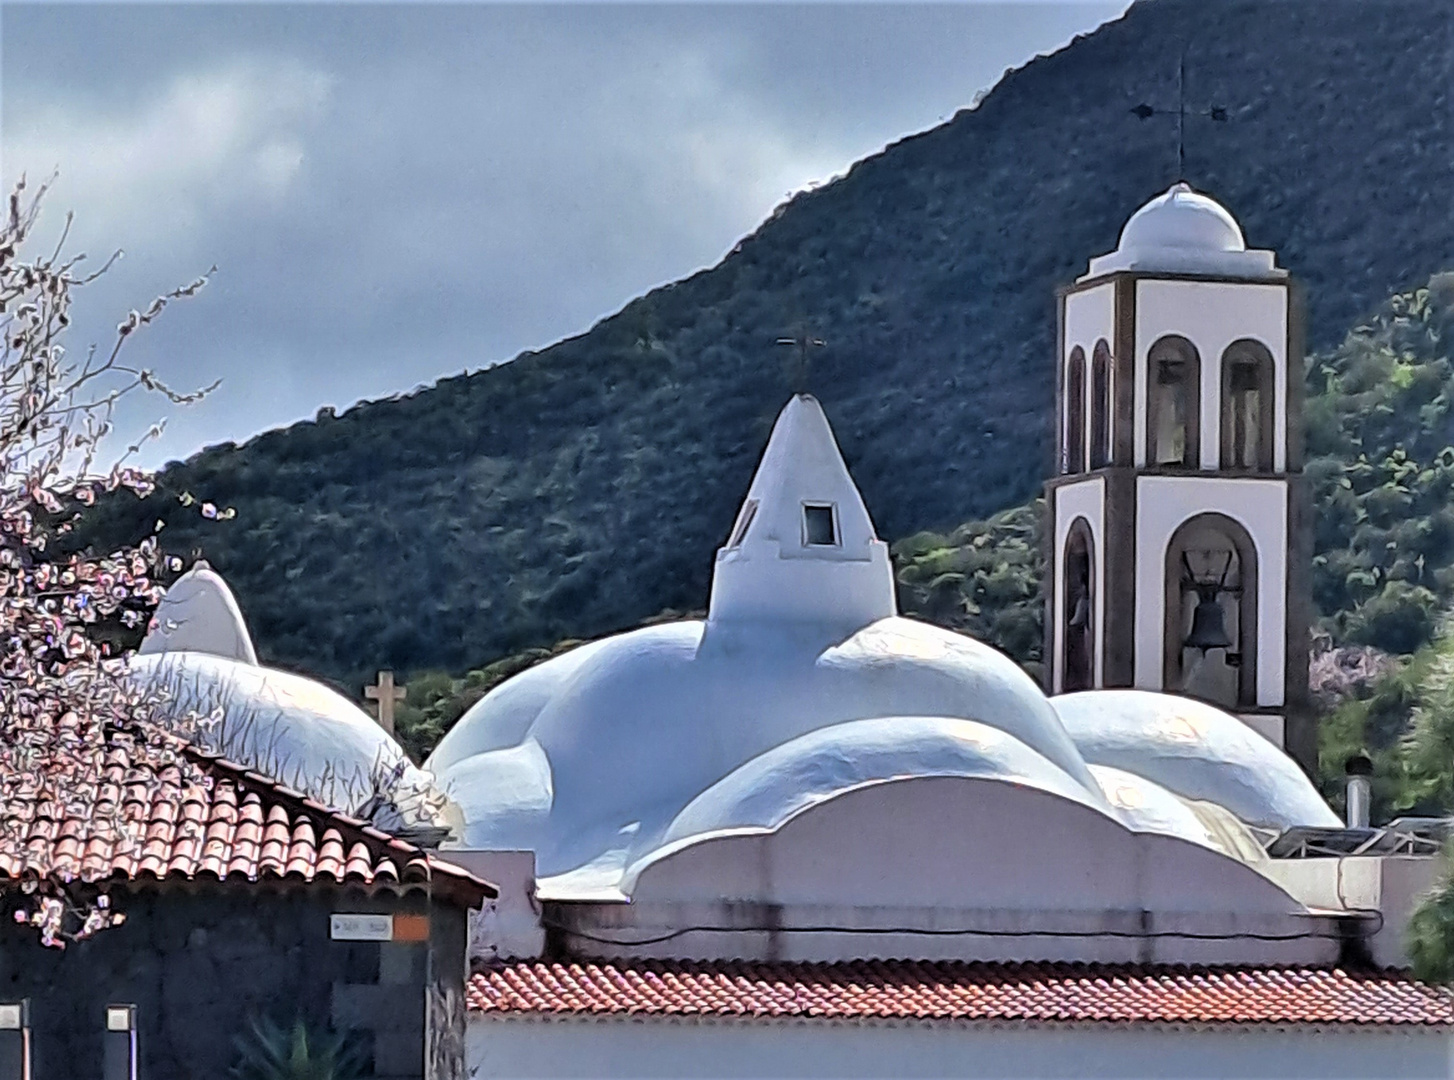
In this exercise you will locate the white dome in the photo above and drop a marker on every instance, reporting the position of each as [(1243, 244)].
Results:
[(1195, 750), (1184, 231), (788, 779), (299, 732), (1182, 218), (595, 753), (588, 758)]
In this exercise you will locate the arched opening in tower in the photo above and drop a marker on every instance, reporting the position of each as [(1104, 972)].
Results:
[(1247, 406), (1173, 425), (1101, 406), (1079, 647), (1211, 612), (1074, 452)]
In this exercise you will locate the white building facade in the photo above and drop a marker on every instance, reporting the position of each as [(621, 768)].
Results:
[(634, 1045)]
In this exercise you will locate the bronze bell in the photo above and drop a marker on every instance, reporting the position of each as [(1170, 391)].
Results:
[(1208, 631)]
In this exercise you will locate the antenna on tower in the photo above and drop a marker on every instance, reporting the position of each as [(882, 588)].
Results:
[(1215, 113)]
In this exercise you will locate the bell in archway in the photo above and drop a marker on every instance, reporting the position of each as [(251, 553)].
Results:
[(1208, 630)]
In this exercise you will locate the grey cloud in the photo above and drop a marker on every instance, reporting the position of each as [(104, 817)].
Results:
[(423, 189)]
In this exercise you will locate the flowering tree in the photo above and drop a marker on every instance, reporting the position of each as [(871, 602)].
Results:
[(65, 706)]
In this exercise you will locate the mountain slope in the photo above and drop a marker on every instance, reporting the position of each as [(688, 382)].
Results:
[(584, 487), (1380, 411)]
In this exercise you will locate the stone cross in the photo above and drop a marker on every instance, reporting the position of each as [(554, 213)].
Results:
[(386, 694)]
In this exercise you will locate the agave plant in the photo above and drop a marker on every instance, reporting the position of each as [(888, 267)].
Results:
[(270, 1052)]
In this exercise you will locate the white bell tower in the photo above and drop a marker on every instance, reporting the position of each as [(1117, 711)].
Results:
[(1178, 554)]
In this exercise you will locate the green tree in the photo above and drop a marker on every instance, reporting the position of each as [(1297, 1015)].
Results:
[(1431, 933)]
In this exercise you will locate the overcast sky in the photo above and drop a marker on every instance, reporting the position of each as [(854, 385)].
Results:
[(393, 193)]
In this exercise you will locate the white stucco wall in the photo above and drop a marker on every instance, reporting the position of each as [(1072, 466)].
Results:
[(662, 1047), (1014, 873), (1086, 499), (1090, 317), (1393, 885), (1163, 503), (1212, 315)]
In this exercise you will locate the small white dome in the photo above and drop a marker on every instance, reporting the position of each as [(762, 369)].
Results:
[(299, 732), (1184, 231), (1195, 750), (1182, 218)]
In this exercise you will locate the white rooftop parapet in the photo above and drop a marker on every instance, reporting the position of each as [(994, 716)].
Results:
[(1388, 888)]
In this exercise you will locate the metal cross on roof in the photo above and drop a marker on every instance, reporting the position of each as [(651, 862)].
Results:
[(1216, 113), (804, 341)]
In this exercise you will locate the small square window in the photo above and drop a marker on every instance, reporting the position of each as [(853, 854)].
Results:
[(749, 511), (820, 527)]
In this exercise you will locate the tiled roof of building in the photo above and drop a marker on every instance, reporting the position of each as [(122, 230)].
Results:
[(1055, 993), (145, 815)]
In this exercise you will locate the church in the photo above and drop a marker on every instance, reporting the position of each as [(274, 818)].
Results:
[(806, 835)]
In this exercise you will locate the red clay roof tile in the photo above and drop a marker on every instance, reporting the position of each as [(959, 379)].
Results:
[(235, 824), (962, 991)]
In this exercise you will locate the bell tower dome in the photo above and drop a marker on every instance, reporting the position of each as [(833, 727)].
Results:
[(1178, 548)]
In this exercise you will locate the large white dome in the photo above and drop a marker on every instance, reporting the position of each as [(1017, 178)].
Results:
[(592, 755), (589, 758)]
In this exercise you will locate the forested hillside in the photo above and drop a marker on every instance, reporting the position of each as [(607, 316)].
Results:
[(1380, 411), (583, 488)]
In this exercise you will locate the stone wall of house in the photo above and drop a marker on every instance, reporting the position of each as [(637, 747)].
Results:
[(200, 962)]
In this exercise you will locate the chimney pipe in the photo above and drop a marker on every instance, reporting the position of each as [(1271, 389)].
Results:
[(1359, 793)]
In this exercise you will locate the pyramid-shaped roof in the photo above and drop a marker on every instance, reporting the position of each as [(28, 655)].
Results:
[(803, 548)]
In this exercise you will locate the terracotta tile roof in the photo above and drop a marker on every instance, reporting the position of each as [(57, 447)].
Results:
[(896, 989), (217, 821)]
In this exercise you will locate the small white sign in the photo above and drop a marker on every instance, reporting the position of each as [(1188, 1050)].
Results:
[(361, 928), (12, 1017)]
